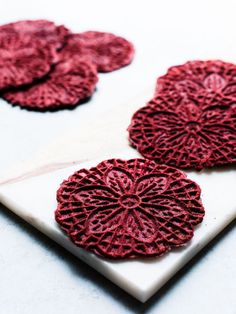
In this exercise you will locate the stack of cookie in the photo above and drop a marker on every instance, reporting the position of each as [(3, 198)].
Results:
[(46, 67)]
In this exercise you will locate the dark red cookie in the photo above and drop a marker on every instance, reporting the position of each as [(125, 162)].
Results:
[(23, 59), (216, 79), (66, 209), (186, 136), (43, 30), (107, 51), (70, 82), (128, 209)]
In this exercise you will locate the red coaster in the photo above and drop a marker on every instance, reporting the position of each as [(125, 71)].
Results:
[(128, 209), (187, 135), (23, 59), (107, 51), (70, 82)]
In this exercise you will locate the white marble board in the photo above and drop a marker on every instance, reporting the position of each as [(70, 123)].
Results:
[(31, 188)]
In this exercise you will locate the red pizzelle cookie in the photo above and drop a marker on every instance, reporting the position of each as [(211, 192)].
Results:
[(129, 208), (186, 136), (107, 51), (69, 82), (43, 30), (66, 196), (215, 79), (23, 59), (66, 209)]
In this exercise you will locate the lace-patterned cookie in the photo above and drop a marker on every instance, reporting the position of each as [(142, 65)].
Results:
[(23, 59), (106, 51), (69, 82), (129, 208), (215, 79), (43, 30), (187, 135)]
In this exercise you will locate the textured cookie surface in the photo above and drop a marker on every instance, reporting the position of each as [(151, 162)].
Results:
[(187, 135), (23, 59), (42, 30), (107, 51), (214, 78), (70, 82), (129, 208)]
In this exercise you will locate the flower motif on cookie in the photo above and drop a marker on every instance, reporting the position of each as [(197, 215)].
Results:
[(215, 79), (186, 136), (126, 209)]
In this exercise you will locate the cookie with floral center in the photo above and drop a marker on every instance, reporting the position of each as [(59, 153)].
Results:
[(105, 50), (187, 135), (23, 59), (129, 208), (68, 83), (214, 78)]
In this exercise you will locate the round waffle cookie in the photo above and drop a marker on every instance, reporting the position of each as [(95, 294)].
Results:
[(129, 208), (215, 79), (186, 136), (107, 51), (42, 30), (70, 82), (23, 59)]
